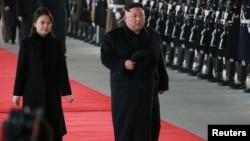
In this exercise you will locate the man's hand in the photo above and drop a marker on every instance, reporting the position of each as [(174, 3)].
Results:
[(129, 64), (6, 8), (161, 91), (16, 100), (69, 98), (20, 18)]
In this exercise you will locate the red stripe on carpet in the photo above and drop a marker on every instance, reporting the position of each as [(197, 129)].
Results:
[(88, 118)]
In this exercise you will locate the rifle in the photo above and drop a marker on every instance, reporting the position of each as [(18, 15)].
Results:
[(183, 33), (168, 21), (160, 16), (73, 4), (151, 13), (177, 16), (213, 42), (196, 19), (204, 32), (225, 23)]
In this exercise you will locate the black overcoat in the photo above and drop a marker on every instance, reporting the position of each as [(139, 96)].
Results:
[(42, 78), (135, 105), (26, 9), (244, 35), (100, 13)]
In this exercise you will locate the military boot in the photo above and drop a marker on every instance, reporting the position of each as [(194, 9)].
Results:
[(189, 61), (247, 89), (198, 65), (209, 69), (218, 69), (170, 56), (180, 59), (241, 75), (230, 73)]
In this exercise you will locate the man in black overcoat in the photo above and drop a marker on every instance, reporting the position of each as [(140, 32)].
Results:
[(133, 54), (25, 10)]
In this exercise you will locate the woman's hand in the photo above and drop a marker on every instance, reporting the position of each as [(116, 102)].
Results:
[(69, 98), (16, 100)]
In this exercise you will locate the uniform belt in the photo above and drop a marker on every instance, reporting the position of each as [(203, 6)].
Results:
[(244, 21), (222, 21), (189, 16)]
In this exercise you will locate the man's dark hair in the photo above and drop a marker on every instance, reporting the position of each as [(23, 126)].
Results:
[(132, 5)]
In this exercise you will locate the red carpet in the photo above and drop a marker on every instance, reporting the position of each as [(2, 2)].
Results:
[(88, 118)]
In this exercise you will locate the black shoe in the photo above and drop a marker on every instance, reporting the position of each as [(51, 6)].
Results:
[(175, 67), (6, 41), (169, 64), (83, 38), (238, 86), (87, 39), (226, 82), (13, 42), (183, 70), (98, 44), (92, 41), (214, 79), (247, 90), (205, 76), (193, 73), (78, 37)]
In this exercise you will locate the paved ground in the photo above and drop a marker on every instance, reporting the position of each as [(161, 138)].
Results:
[(190, 103)]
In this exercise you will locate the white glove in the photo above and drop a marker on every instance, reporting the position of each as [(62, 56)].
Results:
[(69, 98), (16, 100)]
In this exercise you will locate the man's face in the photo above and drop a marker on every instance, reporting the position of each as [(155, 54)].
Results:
[(135, 19)]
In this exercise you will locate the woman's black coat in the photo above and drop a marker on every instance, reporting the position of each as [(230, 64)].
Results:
[(42, 78)]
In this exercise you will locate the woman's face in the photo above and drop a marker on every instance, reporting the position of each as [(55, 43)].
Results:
[(43, 25)]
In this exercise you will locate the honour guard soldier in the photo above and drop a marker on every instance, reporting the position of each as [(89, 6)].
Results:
[(243, 44), (216, 51), (229, 39), (100, 20), (160, 16), (168, 32), (71, 28), (179, 11), (152, 14), (195, 36), (10, 7), (185, 33), (115, 13), (5, 22), (206, 38)]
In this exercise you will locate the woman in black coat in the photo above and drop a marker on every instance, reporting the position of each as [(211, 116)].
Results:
[(133, 54), (42, 75)]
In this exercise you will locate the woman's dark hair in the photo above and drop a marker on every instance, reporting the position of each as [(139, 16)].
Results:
[(38, 13)]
